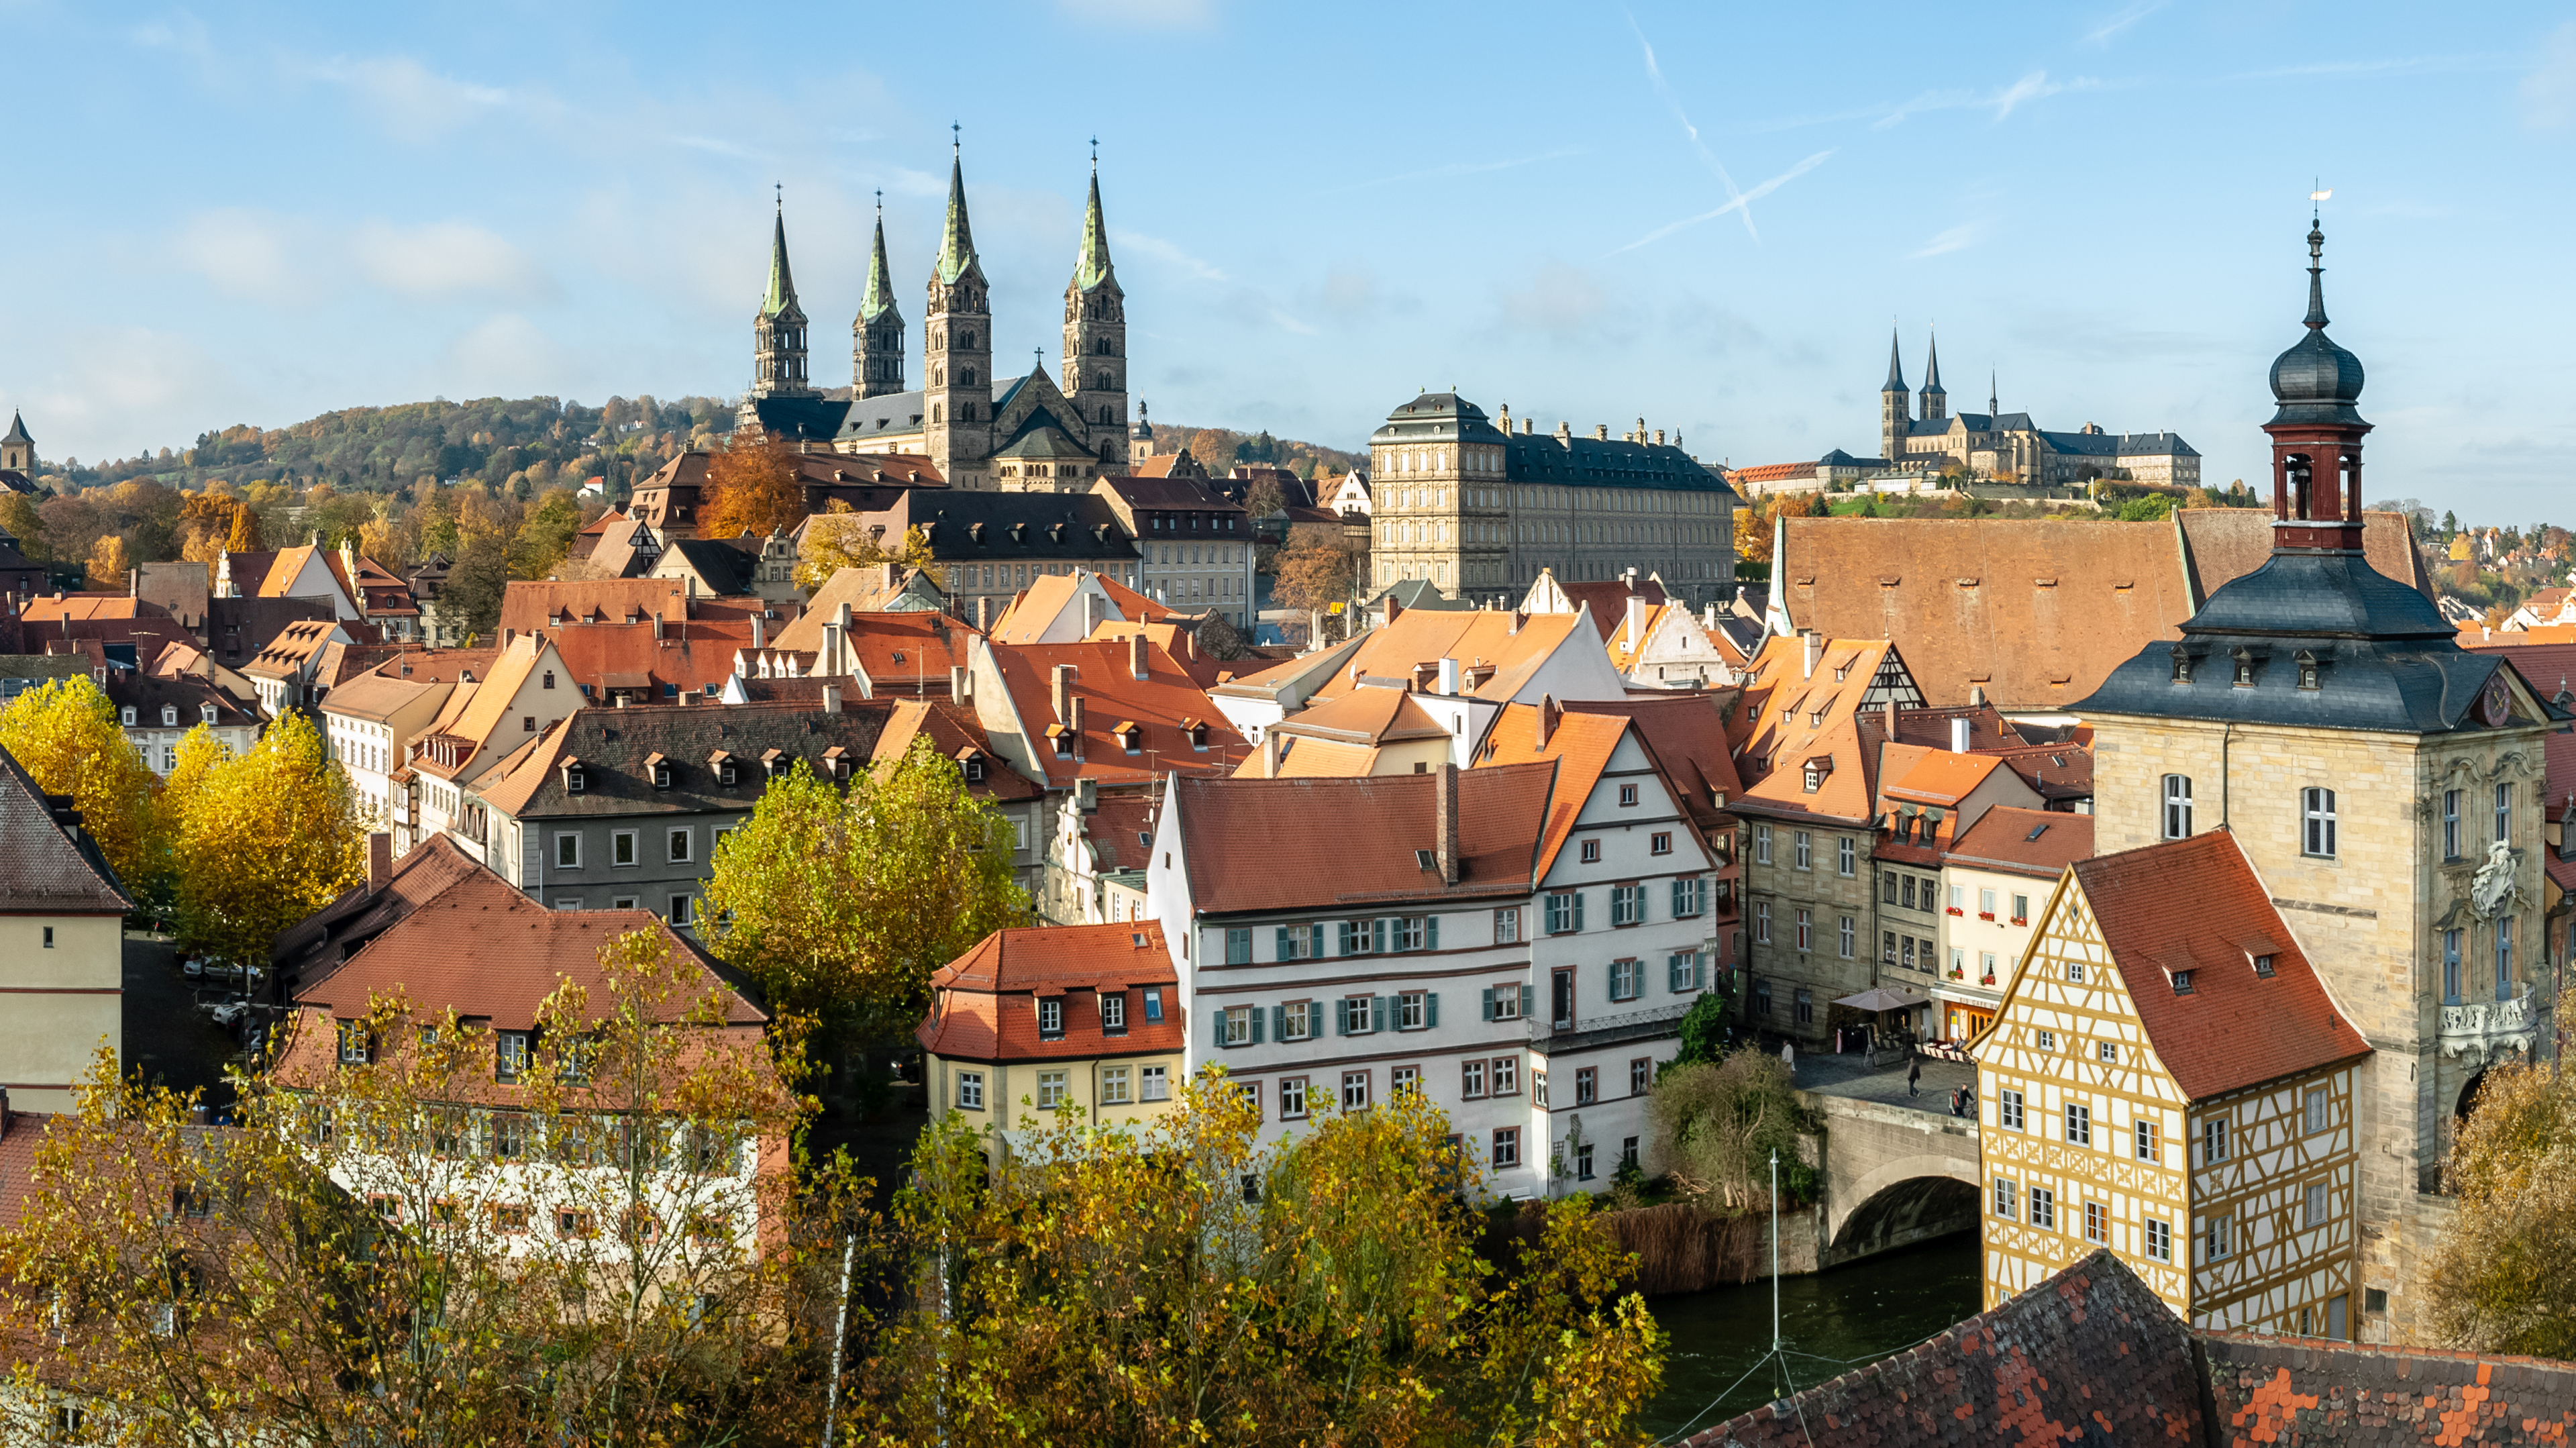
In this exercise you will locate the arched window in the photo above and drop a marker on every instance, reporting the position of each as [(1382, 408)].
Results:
[(934, 412), (2317, 810), (2177, 806), (1104, 417), (1104, 382), (966, 339), (966, 378)]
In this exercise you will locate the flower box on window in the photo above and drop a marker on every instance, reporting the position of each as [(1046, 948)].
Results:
[(1985, 915), (1989, 980), (2021, 920), (1955, 910)]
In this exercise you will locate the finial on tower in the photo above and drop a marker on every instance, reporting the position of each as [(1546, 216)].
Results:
[(880, 203), (956, 137), (780, 187), (1095, 155)]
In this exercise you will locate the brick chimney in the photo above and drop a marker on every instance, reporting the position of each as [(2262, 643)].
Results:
[(831, 698), (1444, 793), (759, 633), (380, 860), (1548, 714), (1061, 684), (1388, 609), (1136, 653), (1814, 651), (1075, 724)]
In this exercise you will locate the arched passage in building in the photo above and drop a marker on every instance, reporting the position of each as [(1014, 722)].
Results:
[(2469, 1096), (1902, 1202)]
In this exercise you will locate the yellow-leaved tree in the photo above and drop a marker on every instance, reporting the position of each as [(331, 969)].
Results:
[(265, 839), (835, 540), (64, 734), (2497, 1280), (753, 484), (109, 562)]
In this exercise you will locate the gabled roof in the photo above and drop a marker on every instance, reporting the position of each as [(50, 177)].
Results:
[(49, 867), (1941, 778), (2038, 843), (616, 749), (1373, 715), (1512, 645), (1159, 705), (293, 649), (724, 563), (1580, 745), (1788, 718), (1233, 829), (1686, 732), (954, 731), (56, 607), (1608, 599), (320, 941), (2197, 904), (148, 694), (986, 1006), (884, 588), (535, 606)]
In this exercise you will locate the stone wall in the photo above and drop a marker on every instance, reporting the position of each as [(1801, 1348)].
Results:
[(1893, 1176)]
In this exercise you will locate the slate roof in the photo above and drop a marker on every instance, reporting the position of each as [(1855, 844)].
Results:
[(616, 747), (2234, 1029), (47, 866), (1374, 824), (2088, 1356), (145, 694), (240, 629), (2221, 545), (724, 563), (986, 1000)]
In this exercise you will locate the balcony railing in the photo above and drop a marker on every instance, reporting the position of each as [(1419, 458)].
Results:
[(2487, 1026)]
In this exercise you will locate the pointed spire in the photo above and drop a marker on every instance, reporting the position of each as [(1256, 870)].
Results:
[(1092, 267), (2316, 275), (782, 287), (880, 292), (1993, 408), (1895, 365), (1932, 368), (18, 430), (957, 242)]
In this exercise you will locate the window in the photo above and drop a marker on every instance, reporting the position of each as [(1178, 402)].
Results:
[(1845, 935), (621, 902), (621, 848), (568, 852), (2097, 1222), (1051, 1090), (49, 937), (1299, 942), (2504, 813), (1591, 852), (2047, 1040), (1355, 1090), (1805, 1005), (2504, 957), (1583, 1161), (1471, 1079), (1985, 904), (356, 1046), (2177, 806), (2320, 1110), (1051, 1016), (1587, 1085), (1846, 857), (1887, 887), (1762, 844), (2159, 1241), (1565, 912), (1762, 999), (1628, 1151), (1803, 847), (2075, 971), (1249, 1092), (2008, 1110), (680, 910), (2213, 1141), (1507, 1002), (1641, 1075), (2317, 809), (1690, 898), (1507, 925), (2107, 1050), (1659, 843), (2450, 824), (126, 716), (1359, 1015), (1909, 892), (1414, 932), (1624, 980), (510, 1055), (1681, 971), (2079, 1125), (1806, 929), (2313, 1211), (1113, 1011), (1292, 1098), (1958, 899), (1153, 1083), (1538, 1089), (1237, 1025), (2147, 1141), (1404, 1081), (1362, 937), (680, 846), (2043, 1208), (1507, 1075), (2217, 1239), (1238, 945), (1412, 1011), (1762, 921), (2021, 910), (2451, 967), (573, 1222), (1887, 947), (2007, 1197), (1627, 794), (1507, 1147), (1627, 904)]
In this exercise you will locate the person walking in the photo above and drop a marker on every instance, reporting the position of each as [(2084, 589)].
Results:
[(1914, 1078), (1789, 1056)]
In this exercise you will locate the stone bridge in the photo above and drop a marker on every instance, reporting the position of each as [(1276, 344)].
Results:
[(1898, 1168)]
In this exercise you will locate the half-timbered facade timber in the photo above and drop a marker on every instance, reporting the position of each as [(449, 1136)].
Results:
[(2174, 1084)]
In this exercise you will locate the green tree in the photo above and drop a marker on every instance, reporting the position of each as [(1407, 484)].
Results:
[(64, 733), (266, 839), (831, 546), (1717, 1124), (2149, 508), (546, 535), (841, 903), (476, 585)]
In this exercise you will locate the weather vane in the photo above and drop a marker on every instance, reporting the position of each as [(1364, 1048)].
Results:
[(956, 136)]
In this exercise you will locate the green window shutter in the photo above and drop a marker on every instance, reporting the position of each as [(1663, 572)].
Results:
[(1377, 1013), (1345, 938), (1578, 910), (1377, 936), (1431, 1008), (1287, 951), (1256, 1025), (1316, 934), (1489, 1002), (1529, 1001), (1279, 1022), (1341, 1027), (1431, 932), (1216, 1021)]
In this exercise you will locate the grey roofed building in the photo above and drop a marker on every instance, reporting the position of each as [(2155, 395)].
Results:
[(49, 864), (724, 565)]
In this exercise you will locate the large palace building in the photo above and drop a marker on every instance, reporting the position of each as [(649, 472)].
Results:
[(1471, 506), (981, 430)]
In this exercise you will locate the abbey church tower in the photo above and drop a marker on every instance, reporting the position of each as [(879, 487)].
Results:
[(1095, 336), (957, 385)]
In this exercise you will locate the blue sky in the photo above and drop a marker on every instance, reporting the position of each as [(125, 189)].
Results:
[(1704, 215)]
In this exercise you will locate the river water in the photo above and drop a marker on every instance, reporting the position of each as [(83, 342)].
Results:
[(1831, 1322)]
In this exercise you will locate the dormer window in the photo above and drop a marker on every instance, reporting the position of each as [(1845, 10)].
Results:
[(1051, 1016), (1062, 738), (125, 716), (206, 713), (2181, 664), (726, 772), (775, 762), (169, 716), (2263, 966), (2248, 664), (975, 769), (1198, 731), (576, 779), (1131, 737), (2310, 668), (2182, 982), (661, 771), (1815, 777)]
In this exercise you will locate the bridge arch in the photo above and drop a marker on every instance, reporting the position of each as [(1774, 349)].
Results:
[(1906, 1200)]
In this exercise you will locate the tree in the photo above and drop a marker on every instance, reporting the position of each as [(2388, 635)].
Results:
[(2147, 508), (245, 536), (832, 544), (20, 520), (1133, 1288), (752, 484), (1718, 1123), (2496, 1281), (546, 535), (267, 839), (109, 564), (1316, 569), (64, 734), (353, 1260), (1264, 498), (841, 904), (481, 577)]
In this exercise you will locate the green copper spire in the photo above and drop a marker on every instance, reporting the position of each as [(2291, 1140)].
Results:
[(880, 292), (1093, 267), (957, 243), (782, 287)]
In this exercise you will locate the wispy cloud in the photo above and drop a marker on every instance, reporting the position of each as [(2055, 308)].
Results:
[(1164, 251), (2127, 16), (2548, 94), (1957, 238), (1655, 75), (412, 101), (1738, 204), (2029, 88), (445, 259), (1468, 168)]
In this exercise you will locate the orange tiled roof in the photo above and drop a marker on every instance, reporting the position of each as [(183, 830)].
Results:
[(1942, 778), (1687, 734), (953, 730), (1789, 718), (1161, 704), (1373, 825), (1580, 745), (1373, 715), (54, 608), (986, 1000), (533, 606), (2040, 843)]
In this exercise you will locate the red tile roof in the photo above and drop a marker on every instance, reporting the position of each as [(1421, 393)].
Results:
[(954, 731), (1687, 732), (533, 606), (318, 943), (1327, 844), (2039, 843), (1160, 703), (1940, 777), (2197, 905), (986, 999), (1581, 746), (53, 608)]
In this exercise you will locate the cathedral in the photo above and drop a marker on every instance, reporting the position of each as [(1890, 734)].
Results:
[(2009, 446), (980, 429)]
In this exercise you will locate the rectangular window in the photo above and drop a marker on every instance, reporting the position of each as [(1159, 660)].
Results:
[(1362, 937), (1887, 887), (1051, 1016), (2147, 1150), (1804, 848), (2079, 1125), (2450, 824), (2107, 1050), (1538, 1089), (1114, 1085), (1113, 1011), (680, 911), (1587, 1085), (679, 846), (2097, 1222), (1565, 912), (1846, 936), (1507, 925), (2317, 813), (1236, 1024), (1690, 898), (510, 1055), (1299, 1020), (1627, 904), (2021, 910), (1412, 1011), (1292, 1098), (2007, 1197), (2159, 1241), (1846, 857), (567, 852), (1681, 972), (1507, 1075), (1887, 947), (1659, 843), (2213, 1141), (1583, 1161), (1238, 945), (621, 848), (2008, 1110), (1408, 932), (1591, 852), (1806, 1007), (1625, 980), (2504, 957), (1627, 794), (1762, 844), (2177, 807), (2043, 1208), (1355, 1090), (2217, 1239), (1153, 1083), (1958, 899), (1985, 904), (1628, 1151), (1909, 953), (1506, 1002), (2320, 1109), (1404, 1081), (1471, 1079), (1153, 1005), (2504, 814), (1806, 929), (1051, 1090), (1909, 892), (2451, 967), (1507, 1147), (1762, 922)]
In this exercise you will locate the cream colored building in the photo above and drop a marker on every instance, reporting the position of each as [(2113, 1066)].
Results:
[(2000, 869), (62, 949)]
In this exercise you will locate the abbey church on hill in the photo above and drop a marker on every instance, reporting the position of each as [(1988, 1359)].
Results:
[(981, 430)]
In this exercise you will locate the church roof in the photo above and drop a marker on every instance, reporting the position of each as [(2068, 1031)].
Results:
[(801, 418), (1043, 441), (880, 293), (17, 430), (888, 413), (781, 296), (1092, 268), (956, 241), (1932, 371), (1895, 366), (2316, 381)]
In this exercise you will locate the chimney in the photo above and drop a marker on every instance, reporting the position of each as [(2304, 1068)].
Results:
[(1600, 432), (1977, 695), (1136, 652), (1708, 617), (689, 581), (1449, 677), (957, 684), (829, 650), (1444, 794), (1271, 748), (380, 860), (1513, 629), (831, 698), (1548, 714), (1636, 616), (1958, 736), (983, 613), (657, 627), (841, 616), (1091, 612), (1074, 723), (1815, 651), (759, 633), (1891, 718), (1063, 688), (1390, 608)]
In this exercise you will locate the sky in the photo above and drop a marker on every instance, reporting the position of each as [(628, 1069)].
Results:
[(1707, 216)]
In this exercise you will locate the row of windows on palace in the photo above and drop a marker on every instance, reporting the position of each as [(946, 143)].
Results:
[(2217, 1231), (1539, 496), (1561, 913), (1399, 533)]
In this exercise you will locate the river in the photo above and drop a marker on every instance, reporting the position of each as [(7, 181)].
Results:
[(1831, 1322)]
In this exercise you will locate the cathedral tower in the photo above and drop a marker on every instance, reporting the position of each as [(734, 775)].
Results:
[(957, 349), (876, 335), (1936, 402), (1095, 336), (17, 450), (1893, 412), (778, 331)]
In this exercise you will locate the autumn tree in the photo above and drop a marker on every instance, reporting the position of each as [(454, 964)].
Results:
[(109, 563), (753, 484), (478, 581), (245, 535), (1188, 1285), (546, 535), (1315, 570), (841, 902), (1717, 1124), (406, 1248), (2496, 1281), (1264, 498), (834, 541), (20, 520), (64, 734), (267, 839)]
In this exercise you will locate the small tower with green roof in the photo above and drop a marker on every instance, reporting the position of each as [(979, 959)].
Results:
[(957, 361), (1095, 334), (778, 330), (876, 334)]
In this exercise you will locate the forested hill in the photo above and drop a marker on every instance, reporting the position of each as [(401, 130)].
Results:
[(495, 439)]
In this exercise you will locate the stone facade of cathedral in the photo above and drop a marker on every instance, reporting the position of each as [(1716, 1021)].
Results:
[(980, 430), (2010, 446)]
